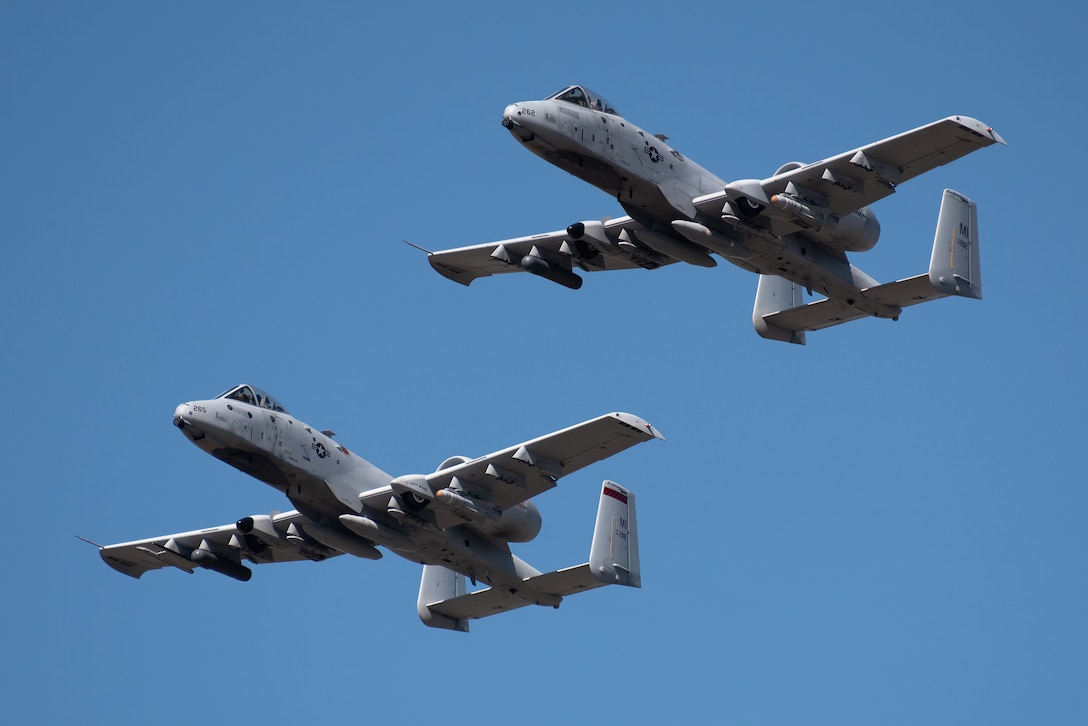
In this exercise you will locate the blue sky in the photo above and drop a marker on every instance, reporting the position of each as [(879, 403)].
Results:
[(886, 526)]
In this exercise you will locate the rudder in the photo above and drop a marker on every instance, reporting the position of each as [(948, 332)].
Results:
[(613, 555), (775, 294), (954, 268), (436, 585)]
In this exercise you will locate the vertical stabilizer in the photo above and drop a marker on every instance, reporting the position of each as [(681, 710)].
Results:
[(613, 556), (440, 584), (954, 267), (773, 295)]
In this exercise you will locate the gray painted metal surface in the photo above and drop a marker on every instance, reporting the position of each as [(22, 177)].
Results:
[(458, 521), (797, 225)]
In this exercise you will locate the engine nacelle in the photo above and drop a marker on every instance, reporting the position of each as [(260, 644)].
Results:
[(453, 461), (591, 235), (519, 523), (855, 232), (260, 532)]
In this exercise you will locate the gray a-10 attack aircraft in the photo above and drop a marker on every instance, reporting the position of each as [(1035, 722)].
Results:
[(457, 522), (793, 229)]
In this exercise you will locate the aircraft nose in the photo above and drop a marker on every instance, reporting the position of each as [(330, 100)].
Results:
[(510, 115), (181, 415)]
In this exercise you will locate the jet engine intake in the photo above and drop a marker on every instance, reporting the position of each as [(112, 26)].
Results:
[(453, 461)]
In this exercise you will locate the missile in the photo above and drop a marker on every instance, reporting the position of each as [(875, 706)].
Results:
[(463, 503), (209, 561), (542, 268), (703, 236), (342, 541), (377, 532), (679, 249), (815, 215)]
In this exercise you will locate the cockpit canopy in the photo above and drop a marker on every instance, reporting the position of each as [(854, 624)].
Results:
[(582, 96), (253, 396)]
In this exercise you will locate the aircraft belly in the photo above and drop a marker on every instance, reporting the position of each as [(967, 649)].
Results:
[(813, 267), (588, 169), (309, 493), (256, 464), (623, 179)]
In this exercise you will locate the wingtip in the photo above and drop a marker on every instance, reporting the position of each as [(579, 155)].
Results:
[(976, 126), (639, 423)]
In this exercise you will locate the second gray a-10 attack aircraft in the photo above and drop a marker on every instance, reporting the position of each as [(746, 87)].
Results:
[(457, 522), (794, 228)]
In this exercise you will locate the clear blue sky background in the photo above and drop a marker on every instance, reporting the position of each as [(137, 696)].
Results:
[(884, 527)]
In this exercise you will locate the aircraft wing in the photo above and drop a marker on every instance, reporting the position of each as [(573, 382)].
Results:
[(466, 264), (225, 546), (860, 177), (522, 471)]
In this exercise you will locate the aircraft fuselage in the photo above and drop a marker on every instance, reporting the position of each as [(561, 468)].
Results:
[(658, 187), (653, 182), (351, 504)]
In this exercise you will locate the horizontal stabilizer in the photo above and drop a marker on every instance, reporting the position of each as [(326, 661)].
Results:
[(954, 269), (954, 266), (494, 600), (613, 560)]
